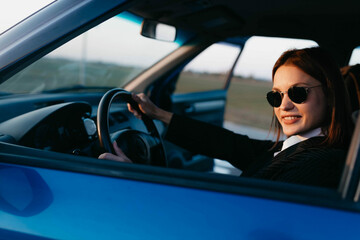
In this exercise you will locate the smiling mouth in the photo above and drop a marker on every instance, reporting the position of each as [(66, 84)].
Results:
[(291, 117), (289, 120)]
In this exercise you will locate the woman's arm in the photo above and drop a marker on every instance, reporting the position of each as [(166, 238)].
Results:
[(217, 142)]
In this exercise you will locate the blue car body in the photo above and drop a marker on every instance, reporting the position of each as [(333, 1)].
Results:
[(45, 194), (66, 205)]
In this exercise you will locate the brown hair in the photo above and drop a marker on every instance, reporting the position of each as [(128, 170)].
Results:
[(319, 64)]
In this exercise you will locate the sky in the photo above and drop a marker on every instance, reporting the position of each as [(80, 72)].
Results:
[(11, 13), (256, 60)]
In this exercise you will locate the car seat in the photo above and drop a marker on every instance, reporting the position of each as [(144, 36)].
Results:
[(351, 75)]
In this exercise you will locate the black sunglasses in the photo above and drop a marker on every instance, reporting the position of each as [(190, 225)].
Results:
[(296, 95)]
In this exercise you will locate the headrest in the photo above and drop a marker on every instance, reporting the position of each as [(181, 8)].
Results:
[(351, 75)]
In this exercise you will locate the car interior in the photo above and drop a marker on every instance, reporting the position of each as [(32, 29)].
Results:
[(52, 124)]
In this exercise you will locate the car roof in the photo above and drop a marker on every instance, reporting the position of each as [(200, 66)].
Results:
[(332, 24)]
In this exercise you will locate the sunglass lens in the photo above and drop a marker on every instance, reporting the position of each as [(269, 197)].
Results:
[(297, 94), (274, 98)]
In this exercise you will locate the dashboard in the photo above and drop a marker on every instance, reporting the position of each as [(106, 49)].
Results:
[(61, 133), (62, 124)]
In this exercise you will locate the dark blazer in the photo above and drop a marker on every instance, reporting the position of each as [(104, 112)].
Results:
[(308, 162)]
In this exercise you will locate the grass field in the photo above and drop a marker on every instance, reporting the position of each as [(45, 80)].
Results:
[(52, 73), (246, 103)]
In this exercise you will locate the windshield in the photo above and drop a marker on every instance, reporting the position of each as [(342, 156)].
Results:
[(107, 56)]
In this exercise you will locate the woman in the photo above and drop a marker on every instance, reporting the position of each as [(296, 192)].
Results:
[(310, 107)]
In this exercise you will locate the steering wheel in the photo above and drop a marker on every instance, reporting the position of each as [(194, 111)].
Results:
[(140, 147)]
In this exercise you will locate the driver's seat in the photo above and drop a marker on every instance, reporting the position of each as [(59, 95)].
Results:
[(351, 75)]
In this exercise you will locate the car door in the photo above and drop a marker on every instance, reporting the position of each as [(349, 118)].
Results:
[(49, 196)]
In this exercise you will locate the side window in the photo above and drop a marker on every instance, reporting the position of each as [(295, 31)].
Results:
[(208, 71)]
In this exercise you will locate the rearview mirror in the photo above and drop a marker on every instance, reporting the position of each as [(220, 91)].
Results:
[(155, 30)]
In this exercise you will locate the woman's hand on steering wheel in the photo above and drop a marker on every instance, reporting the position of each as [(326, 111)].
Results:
[(119, 157), (140, 147), (148, 108)]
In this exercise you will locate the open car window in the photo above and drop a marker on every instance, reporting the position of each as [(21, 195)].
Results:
[(102, 59)]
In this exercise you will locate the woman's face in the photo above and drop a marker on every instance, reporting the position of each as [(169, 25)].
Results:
[(299, 118)]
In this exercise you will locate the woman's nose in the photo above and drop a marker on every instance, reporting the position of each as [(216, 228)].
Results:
[(286, 103)]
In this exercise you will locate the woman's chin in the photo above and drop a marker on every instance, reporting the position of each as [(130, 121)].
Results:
[(291, 132)]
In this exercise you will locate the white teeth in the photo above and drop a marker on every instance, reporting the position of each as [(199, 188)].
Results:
[(290, 118)]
